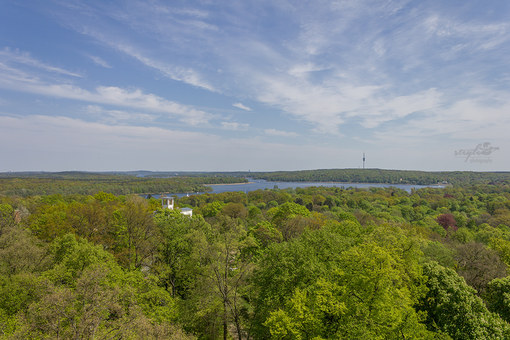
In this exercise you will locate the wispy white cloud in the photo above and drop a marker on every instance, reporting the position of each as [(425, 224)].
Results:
[(12, 74), (492, 34), (343, 67), (192, 12), (234, 126), (100, 61), (118, 116), (382, 110), (9, 55), (324, 106), (111, 95), (399, 71), (157, 21), (297, 78), (178, 73), (241, 106), (303, 70), (280, 133), (164, 16), (484, 115)]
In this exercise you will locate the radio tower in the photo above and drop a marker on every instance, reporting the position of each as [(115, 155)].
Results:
[(363, 160)]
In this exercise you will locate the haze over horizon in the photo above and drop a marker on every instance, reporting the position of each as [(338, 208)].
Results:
[(256, 85)]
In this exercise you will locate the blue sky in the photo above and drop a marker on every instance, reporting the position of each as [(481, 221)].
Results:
[(254, 85)]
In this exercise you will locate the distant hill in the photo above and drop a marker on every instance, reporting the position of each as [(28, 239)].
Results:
[(386, 176), (320, 175)]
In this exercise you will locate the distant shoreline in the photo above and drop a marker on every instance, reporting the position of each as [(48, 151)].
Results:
[(334, 182), (228, 184)]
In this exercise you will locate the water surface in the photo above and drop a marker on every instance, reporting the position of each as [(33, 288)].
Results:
[(253, 185)]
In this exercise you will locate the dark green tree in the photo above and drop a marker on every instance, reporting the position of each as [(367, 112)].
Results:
[(453, 308)]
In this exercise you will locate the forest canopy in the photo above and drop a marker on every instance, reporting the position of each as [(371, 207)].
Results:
[(83, 183), (387, 176), (304, 263)]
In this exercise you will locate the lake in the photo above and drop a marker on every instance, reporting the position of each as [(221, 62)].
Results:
[(262, 184)]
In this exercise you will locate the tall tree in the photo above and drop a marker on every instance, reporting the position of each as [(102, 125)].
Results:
[(497, 297), (453, 308), (136, 233), (228, 267), (479, 265)]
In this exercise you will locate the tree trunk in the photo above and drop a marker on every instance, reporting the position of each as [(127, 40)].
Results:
[(224, 319), (238, 327)]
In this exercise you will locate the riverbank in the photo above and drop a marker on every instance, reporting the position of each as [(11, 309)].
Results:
[(240, 183)]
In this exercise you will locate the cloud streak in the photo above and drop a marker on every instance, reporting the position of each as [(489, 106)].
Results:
[(178, 73), (110, 95), (241, 106), (99, 61), (279, 133), (145, 18), (15, 56), (234, 126)]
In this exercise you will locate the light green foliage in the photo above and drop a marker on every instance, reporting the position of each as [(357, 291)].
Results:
[(72, 256), (404, 247), (291, 265), (85, 294), (287, 211), (310, 263), (20, 252), (378, 299), (365, 295), (502, 248), (463, 235), (177, 261), (272, 204), (487, 232), (136, 233), (231, 197), (50, 221), (104, 197), (265, 234), (212, 209), (438, 252), (19, 291), (461, 219), (235, 210), (6, 216), (254, 213), (143, 290), (291, 219), (345, 216), (313, 311), (103, 302), (216, 303)]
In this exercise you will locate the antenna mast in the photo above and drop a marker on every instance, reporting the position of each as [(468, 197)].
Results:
[(363, 160)]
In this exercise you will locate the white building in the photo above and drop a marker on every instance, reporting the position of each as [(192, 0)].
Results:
[(167, 202), (187, 211)]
